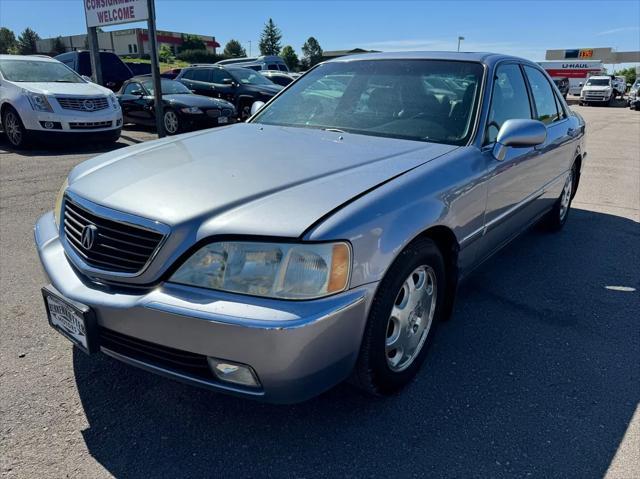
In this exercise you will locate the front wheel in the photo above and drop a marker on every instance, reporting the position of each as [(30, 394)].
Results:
[(171, 122), (14, 129), (401, 323)]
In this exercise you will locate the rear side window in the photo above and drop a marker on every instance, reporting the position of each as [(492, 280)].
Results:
[(198, 74), (218, 75), (543, 96), (283, 68), (510, 99)]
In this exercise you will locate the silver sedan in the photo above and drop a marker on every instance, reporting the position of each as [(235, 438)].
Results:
[(322, 240)]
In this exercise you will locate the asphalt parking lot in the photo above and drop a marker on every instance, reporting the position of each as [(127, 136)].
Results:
[(537, 375)]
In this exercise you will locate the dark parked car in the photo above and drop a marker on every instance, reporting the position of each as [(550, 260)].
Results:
[(183, 110), (277, 77), (563, 86), (114, 71), (240, 86)]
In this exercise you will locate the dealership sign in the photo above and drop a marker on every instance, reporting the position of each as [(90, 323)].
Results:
[(100, 13)]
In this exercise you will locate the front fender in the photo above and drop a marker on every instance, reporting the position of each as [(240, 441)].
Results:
[(449, 191)]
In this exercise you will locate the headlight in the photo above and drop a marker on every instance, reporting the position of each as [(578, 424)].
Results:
[(114, 101), (274, 270), (192, 110), (38, 102), (57, 211)]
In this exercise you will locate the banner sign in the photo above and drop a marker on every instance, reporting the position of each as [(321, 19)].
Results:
[(100, 13)]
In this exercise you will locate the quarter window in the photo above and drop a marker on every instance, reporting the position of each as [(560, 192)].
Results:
[(543, 96), (510, 99)]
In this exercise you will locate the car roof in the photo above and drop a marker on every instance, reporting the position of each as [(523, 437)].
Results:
[(482, 57), (42, 58)]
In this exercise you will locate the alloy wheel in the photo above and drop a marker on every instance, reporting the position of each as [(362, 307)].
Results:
[(411, 318), (171, 122), (13, 129)]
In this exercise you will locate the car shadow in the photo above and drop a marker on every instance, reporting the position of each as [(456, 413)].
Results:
[(536, 375)]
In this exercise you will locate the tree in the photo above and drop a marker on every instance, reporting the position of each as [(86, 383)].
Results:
[(312, 52), (7, 40), (58, 46), (289, 56), (191, 42), (165, 54), (233, 48), (629, 74), (270, 39), (27, 42)]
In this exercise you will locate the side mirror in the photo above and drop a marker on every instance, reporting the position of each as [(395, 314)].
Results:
[(255, 108), (86, 78), (518, 134), (580, 84)]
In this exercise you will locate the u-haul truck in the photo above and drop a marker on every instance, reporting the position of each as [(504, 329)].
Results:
[(577, 71)]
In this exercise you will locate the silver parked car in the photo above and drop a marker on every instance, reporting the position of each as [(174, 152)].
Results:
[(321, 240)]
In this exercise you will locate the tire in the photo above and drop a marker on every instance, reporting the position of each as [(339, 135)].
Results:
[(382, 368), (171, 122), (14, 129), (557, 217)]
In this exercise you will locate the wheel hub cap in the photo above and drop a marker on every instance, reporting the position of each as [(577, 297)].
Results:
[(411, 318), (565, 200)]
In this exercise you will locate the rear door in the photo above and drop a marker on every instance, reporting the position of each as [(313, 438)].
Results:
[(222, 84), (562, 130), (198, 80)]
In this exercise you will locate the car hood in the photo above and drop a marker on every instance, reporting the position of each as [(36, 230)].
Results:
[(197, 100), (246, 178), (53, 88), (596, 88)]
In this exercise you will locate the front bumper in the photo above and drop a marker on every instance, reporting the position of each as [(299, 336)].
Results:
[(298, 349), (68, 121)]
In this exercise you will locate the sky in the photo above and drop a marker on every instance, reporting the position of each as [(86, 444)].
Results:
[(522, 28)]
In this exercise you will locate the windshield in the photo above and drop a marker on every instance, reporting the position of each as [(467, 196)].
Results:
[(426, 100), (38, 71), (248, 77), (169, 87), (598, 82)]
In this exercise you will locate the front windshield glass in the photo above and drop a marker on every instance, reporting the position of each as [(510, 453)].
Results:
[(598, 82), (425, 100), (169, 87), (249, 77), (38, 71)]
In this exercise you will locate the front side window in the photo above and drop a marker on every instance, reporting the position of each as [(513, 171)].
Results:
[(542, 96), (131, 88), (38, 71), (422, 100), (219, 75), (510, 100)]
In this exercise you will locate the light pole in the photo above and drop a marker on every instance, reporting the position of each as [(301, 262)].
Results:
[(249, 42), (459, 40)]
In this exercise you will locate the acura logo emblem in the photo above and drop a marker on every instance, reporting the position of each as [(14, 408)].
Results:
[(89, 236), (89, 105)]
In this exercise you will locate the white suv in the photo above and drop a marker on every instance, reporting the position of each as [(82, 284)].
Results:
[(598, 89), (41, 97)]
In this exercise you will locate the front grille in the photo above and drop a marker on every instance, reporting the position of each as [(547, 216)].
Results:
[(176, 360), (118, 247), (89, 125), (83, 104)]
